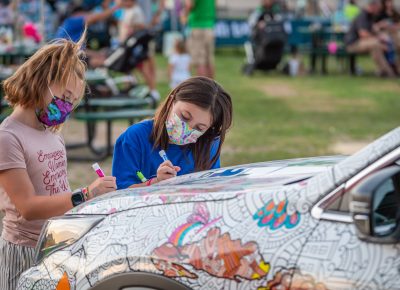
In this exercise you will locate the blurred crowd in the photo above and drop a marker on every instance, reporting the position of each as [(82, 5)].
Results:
[(375, 29), (372, 25), (109, 25)]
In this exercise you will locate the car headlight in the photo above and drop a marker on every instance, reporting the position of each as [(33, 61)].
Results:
[(63, 231)]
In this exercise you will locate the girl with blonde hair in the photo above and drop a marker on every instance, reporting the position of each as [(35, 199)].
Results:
[(33, 165)]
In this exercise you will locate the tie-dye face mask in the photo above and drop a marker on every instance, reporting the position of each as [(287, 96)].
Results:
[(179, 132), (56, 113)]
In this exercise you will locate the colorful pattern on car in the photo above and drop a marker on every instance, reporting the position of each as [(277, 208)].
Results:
[(275, 216), (293, 279), (217, 254), (205, 210)]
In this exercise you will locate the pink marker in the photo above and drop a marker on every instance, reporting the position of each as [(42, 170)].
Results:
[(96, 167)]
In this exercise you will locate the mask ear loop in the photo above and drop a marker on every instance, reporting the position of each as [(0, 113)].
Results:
[(51, 92)]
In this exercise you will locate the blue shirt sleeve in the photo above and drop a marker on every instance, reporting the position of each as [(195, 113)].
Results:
[(214, 149), (126, 160), (72, 28)]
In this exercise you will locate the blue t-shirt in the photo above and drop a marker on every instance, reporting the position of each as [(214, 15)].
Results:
[(134, 152), (72, 28)]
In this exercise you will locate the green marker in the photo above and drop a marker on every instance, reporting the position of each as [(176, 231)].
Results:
[(141, 176)]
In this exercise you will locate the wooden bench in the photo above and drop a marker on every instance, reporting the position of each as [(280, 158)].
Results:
[(314, 43), (322, 54)]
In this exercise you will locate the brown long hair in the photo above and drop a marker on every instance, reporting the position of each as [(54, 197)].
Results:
[(55, 62), (209, 95)]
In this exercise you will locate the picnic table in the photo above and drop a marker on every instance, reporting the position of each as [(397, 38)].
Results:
[(94, 77), (320, 38), (16, 54), (96, 110)]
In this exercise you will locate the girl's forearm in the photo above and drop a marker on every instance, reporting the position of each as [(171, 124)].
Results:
[(45, 207)]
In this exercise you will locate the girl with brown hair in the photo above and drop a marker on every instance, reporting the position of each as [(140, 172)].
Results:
[(190, 126), (33, 165)]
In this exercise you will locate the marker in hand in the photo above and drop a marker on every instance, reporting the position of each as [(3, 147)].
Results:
[(167, 167), (140, 175), (96, 167), (163, 155)]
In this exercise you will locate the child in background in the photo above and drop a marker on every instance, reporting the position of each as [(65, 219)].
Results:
[(133, 20), (33, 165), (190, 126), (178, 64)]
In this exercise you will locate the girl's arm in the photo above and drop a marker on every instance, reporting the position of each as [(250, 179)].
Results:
[(17, 184), (96, 17), (165, 171)]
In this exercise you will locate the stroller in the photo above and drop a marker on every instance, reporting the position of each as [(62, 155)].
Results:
[(131, 53), (265, 49), (124, 59)]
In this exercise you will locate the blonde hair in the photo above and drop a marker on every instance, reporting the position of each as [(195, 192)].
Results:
[(55, 62), (180, 46)]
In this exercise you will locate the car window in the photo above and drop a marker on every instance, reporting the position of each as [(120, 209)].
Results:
[(341, 204), (386, 206)]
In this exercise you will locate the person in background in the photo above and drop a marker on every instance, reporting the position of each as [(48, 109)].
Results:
[(6, 13), (362, 37), (80, 17), (33, 164), (178, 64), (75, 24), (152, 12), (99, 33), (132, 20), (389, 25), (31, 11), (190, 126), (200, 16), (351, 10), (267, 11)]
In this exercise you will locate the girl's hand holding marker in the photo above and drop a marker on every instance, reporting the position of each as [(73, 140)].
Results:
[(166, 170), (103, 184)]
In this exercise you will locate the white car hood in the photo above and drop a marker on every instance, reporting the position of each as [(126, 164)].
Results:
[(217, 184)]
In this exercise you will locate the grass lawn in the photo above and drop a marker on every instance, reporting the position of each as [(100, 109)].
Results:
[(278, 117)]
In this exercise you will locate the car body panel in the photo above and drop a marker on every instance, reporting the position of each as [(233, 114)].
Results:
[(221, 183), (244, 227)]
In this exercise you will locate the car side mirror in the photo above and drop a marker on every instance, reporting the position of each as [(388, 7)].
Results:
[(375, 206)]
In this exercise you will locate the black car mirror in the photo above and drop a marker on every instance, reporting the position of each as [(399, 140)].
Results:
[(375, 206)]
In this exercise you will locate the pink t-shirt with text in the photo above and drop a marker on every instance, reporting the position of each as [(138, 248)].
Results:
[(43, 155)]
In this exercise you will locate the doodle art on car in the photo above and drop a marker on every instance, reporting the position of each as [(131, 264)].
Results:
[(293, 279), (216, 254), (198, 221), (275, 216), (253, 230)]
